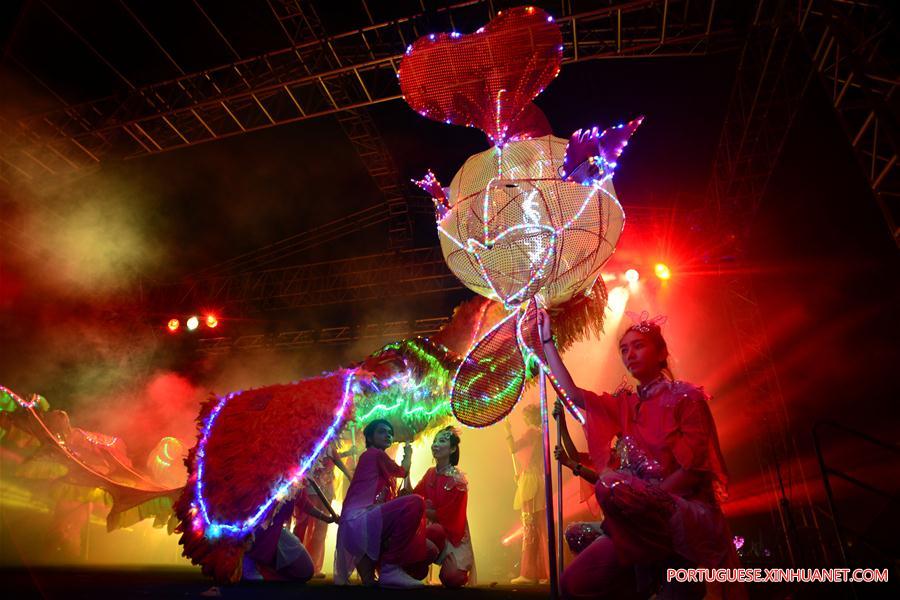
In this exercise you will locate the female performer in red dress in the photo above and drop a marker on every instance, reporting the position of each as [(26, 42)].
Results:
[(446, 492), (377, 529), (660, 491)]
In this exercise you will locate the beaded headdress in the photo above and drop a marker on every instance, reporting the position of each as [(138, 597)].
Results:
[(642, 323)]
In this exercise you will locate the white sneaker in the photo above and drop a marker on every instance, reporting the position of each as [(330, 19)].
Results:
[(392, 576)]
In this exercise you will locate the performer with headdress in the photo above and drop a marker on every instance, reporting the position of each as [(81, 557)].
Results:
[(661, 481), (379, 530), (529, 498), (446, 491)]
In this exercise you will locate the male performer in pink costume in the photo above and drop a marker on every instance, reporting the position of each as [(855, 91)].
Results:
[(377, 529)]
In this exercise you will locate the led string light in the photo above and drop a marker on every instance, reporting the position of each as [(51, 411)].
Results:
[(605, 166), (98, 439), (212, 529), (532, 355), (416, 395), (420, 353), (510, 302), (478, 325), (408, 410), (531, 216), (467, 358), (488, 243), (35, 398), (485, 218), (169, 459)]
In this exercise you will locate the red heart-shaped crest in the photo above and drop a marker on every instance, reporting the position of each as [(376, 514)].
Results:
[(485, 79)]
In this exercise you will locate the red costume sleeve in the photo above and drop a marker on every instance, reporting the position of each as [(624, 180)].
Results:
[(697, 444), (421, 488), (388, 467), (450, 507), (602, 423)]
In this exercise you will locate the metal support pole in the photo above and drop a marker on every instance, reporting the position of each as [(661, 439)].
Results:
[(548, 490), (559, 503)]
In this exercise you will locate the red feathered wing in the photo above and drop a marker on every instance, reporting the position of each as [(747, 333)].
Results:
[(250, 445)]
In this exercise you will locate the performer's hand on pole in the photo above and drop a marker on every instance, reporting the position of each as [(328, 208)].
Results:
[(563, 382), (407, 457), (544, 325), (562, 457), (558, 411)]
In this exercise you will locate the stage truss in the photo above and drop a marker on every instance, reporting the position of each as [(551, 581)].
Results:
[(845, 47)]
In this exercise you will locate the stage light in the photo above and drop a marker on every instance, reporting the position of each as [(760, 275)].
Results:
[(211, 321), (193, 323), (515, 534), (632, 276), (662, 271), (617, 300), (173, 325)]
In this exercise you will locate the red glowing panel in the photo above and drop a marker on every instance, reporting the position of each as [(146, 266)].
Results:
[(486, 79)]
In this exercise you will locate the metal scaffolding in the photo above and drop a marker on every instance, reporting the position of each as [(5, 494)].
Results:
[(318, 76), (853, 47), (388, 275), (788, 46), (843, 45), (385, 333), (240, 287), (300, 22), (769, 84)]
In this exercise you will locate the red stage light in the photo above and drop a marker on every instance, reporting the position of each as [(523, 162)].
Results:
[(193, 323), (173, 325), (632, 276), (662, 271), (211, 321)]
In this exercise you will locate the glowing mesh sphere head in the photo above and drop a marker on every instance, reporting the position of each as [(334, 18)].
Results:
[(515, 229)]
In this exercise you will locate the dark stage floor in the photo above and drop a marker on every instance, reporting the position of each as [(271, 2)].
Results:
[(73, 583), (70, 584)]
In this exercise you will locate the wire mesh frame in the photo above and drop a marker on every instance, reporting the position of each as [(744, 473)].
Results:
[(569, 229)]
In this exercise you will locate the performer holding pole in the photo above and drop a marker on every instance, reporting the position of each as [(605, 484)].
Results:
[(661, 487)]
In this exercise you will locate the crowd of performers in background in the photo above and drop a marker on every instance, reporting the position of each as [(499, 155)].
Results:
[(389, 532), (652, 468)]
